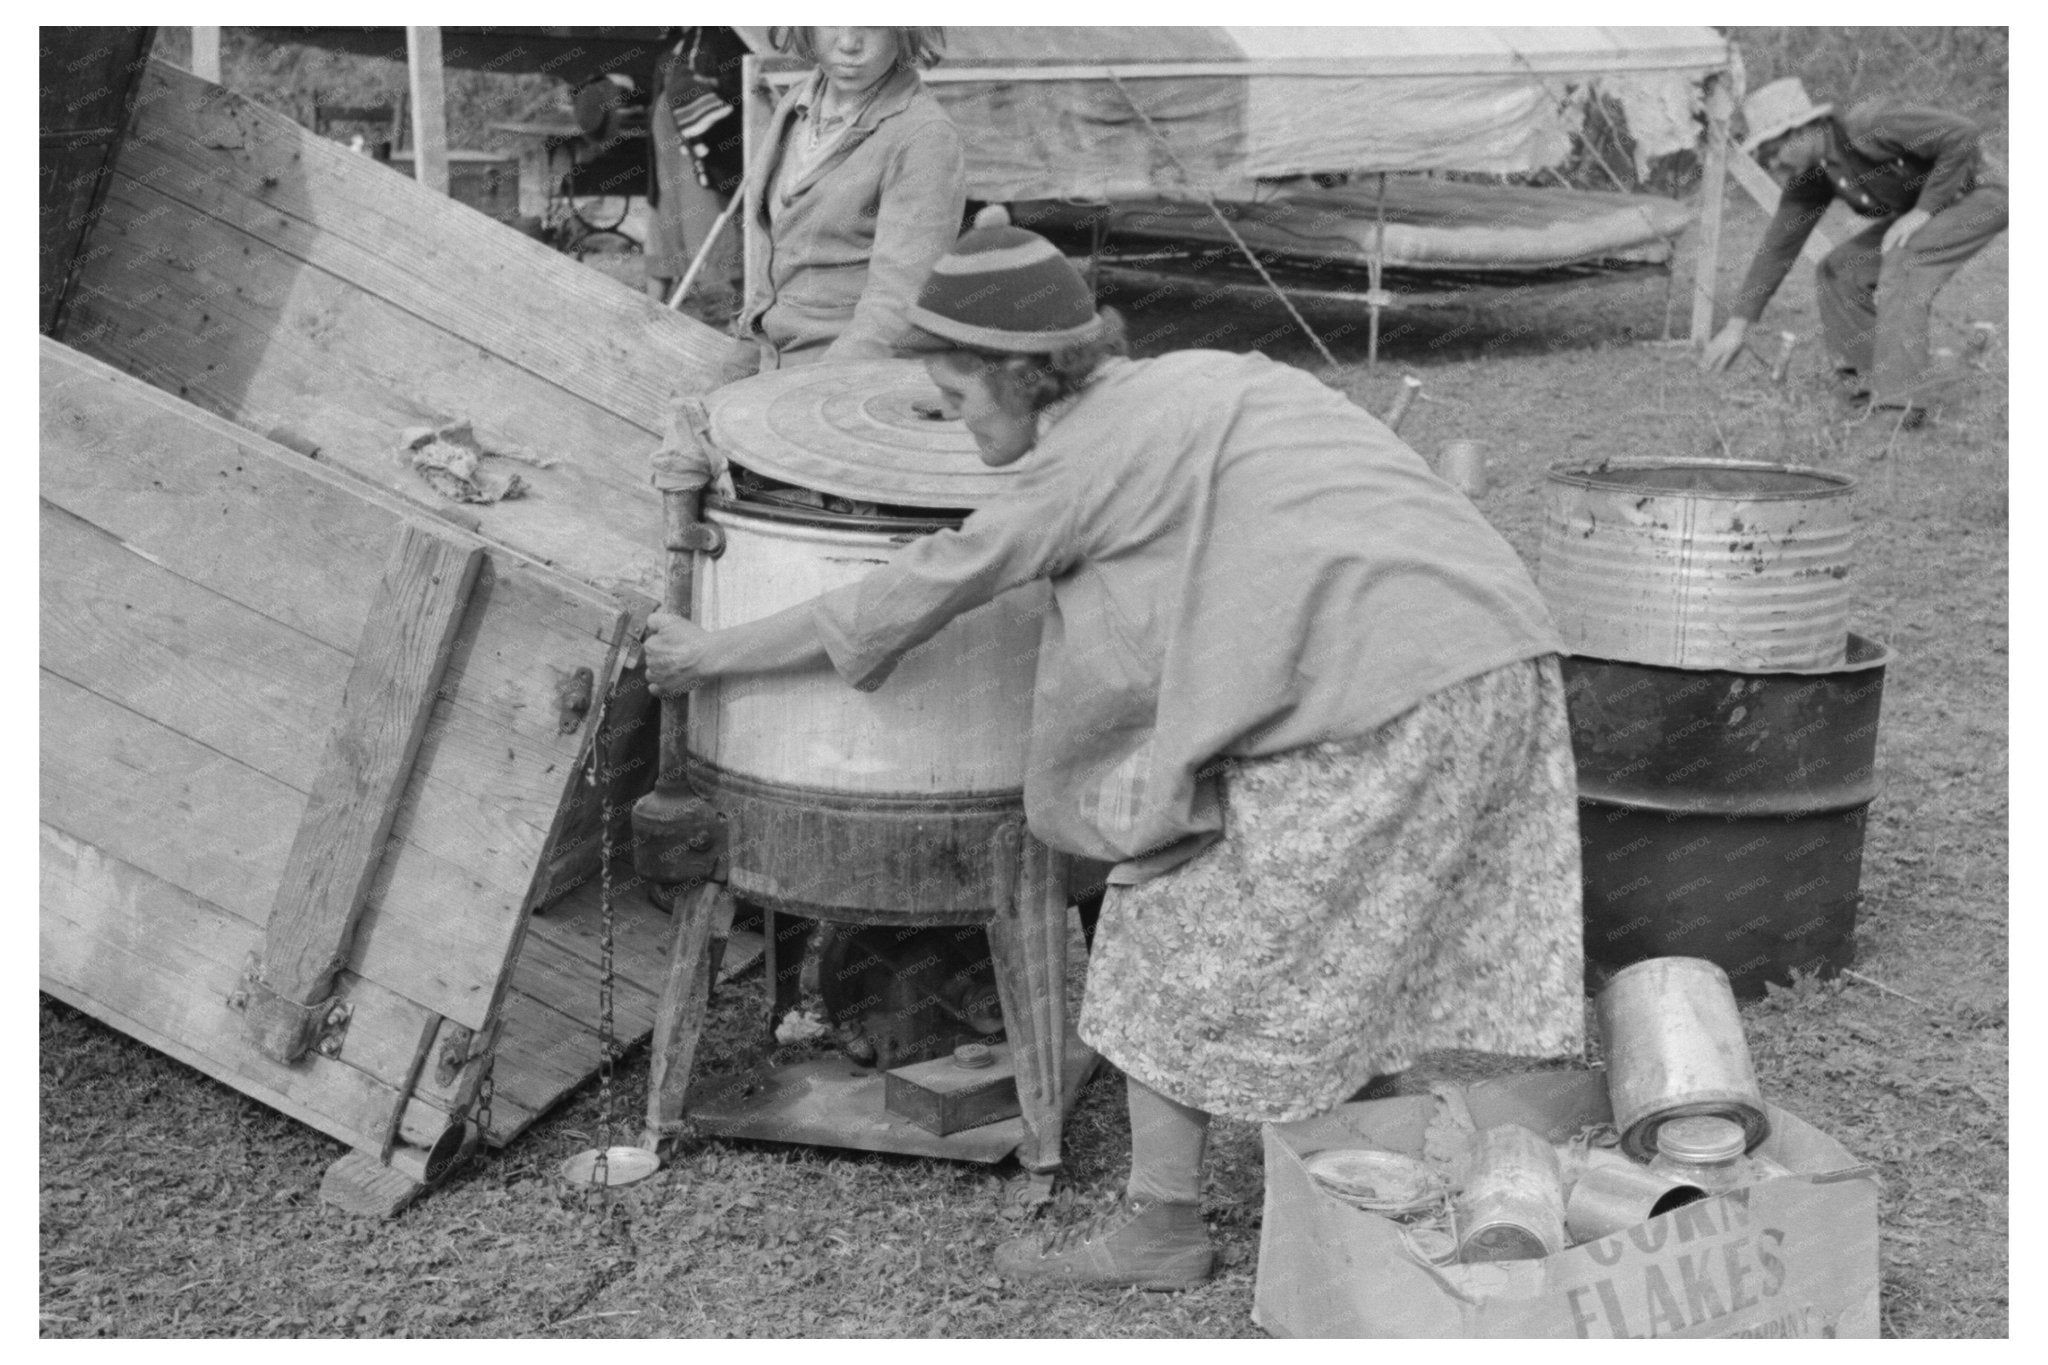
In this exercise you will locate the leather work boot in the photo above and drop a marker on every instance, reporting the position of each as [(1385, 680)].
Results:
[(1148, 1244)]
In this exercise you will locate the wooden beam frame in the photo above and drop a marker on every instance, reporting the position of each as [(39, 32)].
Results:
[(206, 53), (412, 624), (429, 107), (1713, 191)]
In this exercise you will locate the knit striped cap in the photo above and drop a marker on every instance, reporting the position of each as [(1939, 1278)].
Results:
[(1004, 289)]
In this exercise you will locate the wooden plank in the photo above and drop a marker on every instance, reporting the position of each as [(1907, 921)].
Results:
[(429, 105), (509, 1119), (628, 753), (206, 52), (207, 667), (74, 174), (369, 758), (562, 981), (181, 298), (89, 78), (360, 1184), (640, 933), (285, 535), (159, 963), (679, 1018), (300, 545), (119, 781), (222, 831), (253, 690), (1707, 269), (111, 905), (542, 1056), (757, 117), (564, 324), (547, 1043)]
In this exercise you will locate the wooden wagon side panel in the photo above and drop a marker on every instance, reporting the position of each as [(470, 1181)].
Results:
[(89, 79), (205, 594), (275, 278)]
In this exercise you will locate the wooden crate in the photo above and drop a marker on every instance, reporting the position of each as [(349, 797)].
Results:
[(311, 295), (215, 689), (304, 740)]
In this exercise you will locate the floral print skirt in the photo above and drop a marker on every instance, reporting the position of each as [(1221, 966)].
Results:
[(1373, 899)]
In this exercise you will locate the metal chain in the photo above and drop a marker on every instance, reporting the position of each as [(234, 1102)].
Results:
[(600, 775), (486, 1091)]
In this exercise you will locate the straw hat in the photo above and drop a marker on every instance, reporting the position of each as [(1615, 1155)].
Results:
[(1777, 108)]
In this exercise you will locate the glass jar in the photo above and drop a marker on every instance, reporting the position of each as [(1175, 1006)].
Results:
[(1707, 1152)]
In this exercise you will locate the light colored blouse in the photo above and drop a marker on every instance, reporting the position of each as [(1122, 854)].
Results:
[(1242, 562)]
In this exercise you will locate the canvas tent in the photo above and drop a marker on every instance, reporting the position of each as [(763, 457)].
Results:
[(1053, 112), (1099, 114)]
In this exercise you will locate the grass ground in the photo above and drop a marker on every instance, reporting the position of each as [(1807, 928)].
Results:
[(172, 1206)]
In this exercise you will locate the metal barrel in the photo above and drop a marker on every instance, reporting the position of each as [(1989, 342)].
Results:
[(1698, 564), (1612, 1196), (1674, 1047), (1512, 1205), (1721, 813)]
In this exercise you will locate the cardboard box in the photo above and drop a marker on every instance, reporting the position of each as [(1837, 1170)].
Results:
[(1792, 1257)]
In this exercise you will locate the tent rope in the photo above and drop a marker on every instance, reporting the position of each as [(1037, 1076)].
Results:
[(1562, 94), (1210, 202)]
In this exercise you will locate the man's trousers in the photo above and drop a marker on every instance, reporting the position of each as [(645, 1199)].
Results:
[(1875, 304)]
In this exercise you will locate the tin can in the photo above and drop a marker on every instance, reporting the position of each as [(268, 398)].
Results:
[(1674, 1047), (1613, 1195), (1462, 465), (1684, 563), (1512, 1205)]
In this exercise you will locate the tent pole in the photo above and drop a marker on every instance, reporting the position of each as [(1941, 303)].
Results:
[(1379, 266), (429, 108), (1713, 188), (206, 53)]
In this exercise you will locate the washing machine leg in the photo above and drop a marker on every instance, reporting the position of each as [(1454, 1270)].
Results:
[(1028, 941), (679, 1019)]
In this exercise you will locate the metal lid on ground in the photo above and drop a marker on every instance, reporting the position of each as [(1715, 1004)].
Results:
[(871, 430)]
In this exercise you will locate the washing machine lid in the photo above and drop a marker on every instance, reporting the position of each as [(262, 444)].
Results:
[(870, 430)]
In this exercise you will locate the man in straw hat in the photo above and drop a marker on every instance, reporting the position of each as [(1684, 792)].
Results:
[(1914, 172)]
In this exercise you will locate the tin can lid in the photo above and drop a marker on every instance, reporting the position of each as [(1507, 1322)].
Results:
[(1702, 1138)]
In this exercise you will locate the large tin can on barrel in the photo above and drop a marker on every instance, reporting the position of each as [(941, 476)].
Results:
[(875, 806), (1698, 563), (1673, 1042)]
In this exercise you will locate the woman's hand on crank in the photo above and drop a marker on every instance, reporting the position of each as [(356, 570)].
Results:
[(676, 651)]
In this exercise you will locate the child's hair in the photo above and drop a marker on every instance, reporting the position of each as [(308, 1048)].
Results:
[(1044, 379), (916, 47)]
